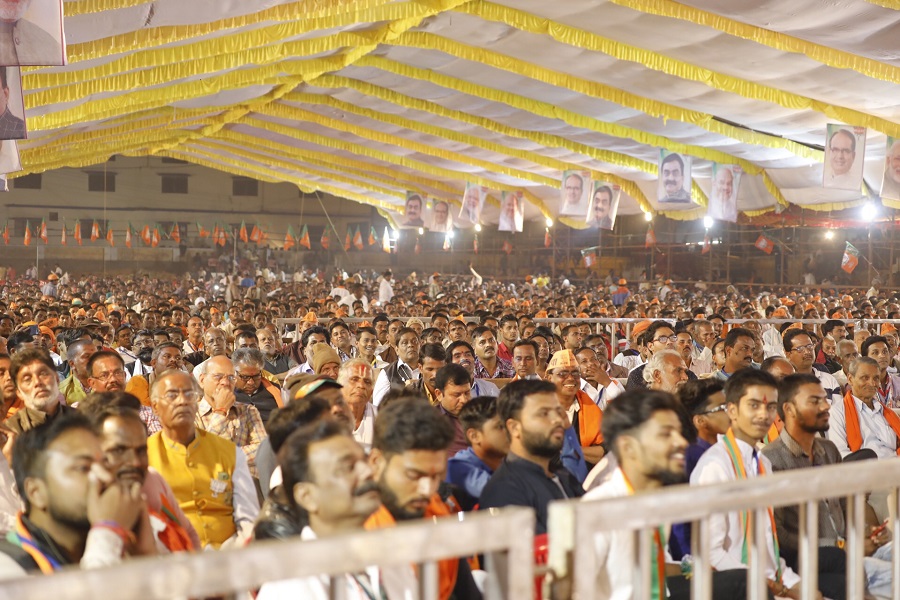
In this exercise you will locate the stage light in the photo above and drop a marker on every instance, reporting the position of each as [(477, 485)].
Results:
[(708, 222), (829, 235), (477, 227), (869, 211), (421, 230), (648, 217), (549, 222)]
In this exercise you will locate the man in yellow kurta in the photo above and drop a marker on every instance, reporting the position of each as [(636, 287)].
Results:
[(207, 473)]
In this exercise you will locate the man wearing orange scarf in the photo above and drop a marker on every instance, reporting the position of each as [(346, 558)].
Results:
[(860, 420), (409, 457)]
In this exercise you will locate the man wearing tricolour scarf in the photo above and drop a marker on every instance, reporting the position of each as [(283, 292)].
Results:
[(751, 398)]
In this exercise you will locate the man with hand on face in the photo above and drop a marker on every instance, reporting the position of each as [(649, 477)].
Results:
[(751, 398), (123, 440), (75, 512), (358, 381), (431, 358), (409, 457), (208, 473), (218, 412), (38, 386), (328, 479), (530, 475)]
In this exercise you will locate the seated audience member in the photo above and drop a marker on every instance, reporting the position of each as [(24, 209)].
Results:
[(470, 469), (208, 474), (531, 475)]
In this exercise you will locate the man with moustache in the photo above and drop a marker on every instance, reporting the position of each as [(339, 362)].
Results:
[(208, 474), (21, 41), (739, 347), (643, 431), (671, 174), (601, 216), (529, 475), (409, 457), (751, 398), (328, 479), (803, 406), (462, 353), (358, 380), (38, 386), (107, 371)]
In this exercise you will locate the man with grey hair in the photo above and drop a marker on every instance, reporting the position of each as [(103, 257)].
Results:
[(251, 386), (218, 413), (358, 378), (845, 352), (665, 371), (208, 473), (861, 420)]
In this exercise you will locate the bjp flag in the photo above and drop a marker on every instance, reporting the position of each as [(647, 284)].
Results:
[(357, 239), (289, 238), (326, 240), (77, 233), (243, 233), (255, 234), (109, 237), (154, 238), (43, 231), (764, 244), (27, 233), (304, 238), (62, 239), (95, 231), (128, 236), (850, 258)]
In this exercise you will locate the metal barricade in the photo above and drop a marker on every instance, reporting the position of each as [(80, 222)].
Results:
[(572, 525), (505, 537)]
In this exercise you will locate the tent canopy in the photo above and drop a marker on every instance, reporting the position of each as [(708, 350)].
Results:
[(366, 99)]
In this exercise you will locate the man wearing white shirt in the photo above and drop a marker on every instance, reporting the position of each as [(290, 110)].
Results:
[(358, 378), (751, 398), (595, 382), (643, 431), (404, 369), (860, 420), (356, 295), (801, 352), (326, 474), (385, 289)]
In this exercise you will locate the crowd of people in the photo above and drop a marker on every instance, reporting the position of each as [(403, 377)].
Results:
[(145, 415)]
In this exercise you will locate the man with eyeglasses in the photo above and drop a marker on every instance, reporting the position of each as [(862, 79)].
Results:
[(208, 473), (801, 352), (583, 414), (107, 372), (660, 336), (219, 413), (142, 346), (251, 386)]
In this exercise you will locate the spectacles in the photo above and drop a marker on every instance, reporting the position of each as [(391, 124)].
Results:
[(118, 373), (568, 374), (806, 348), (189, 395), (712, 411), (246, 378), (665, 339), (217, 377)]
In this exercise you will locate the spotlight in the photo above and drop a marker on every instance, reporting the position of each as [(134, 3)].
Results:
[(477, 227), (421, 230), (869, 211), (648, 217), (829, 235), (708, 222), (549, 222)]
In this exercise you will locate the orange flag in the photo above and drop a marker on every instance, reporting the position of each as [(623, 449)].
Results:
[(154, 237), (43, 234), (128, 236), (326, 240), (372, 236), (176, 234), (304, 238), (6, 234), (547, 240), (109, 237), (357, 240), (27, 233), (62, 239), (77, 233), (243, 234), (255, 234), (289, 238), (146, 236), (95, 231), (347, 240), (203, 233)]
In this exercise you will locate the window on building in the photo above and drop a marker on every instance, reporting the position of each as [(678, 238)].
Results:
[(28, 182), (244, 186), (100, 181), (174, 183)]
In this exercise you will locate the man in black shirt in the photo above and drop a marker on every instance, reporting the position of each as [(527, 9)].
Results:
[(531, 475)]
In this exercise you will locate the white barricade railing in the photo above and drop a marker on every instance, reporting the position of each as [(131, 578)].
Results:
[(572, 525), (505, 537)]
